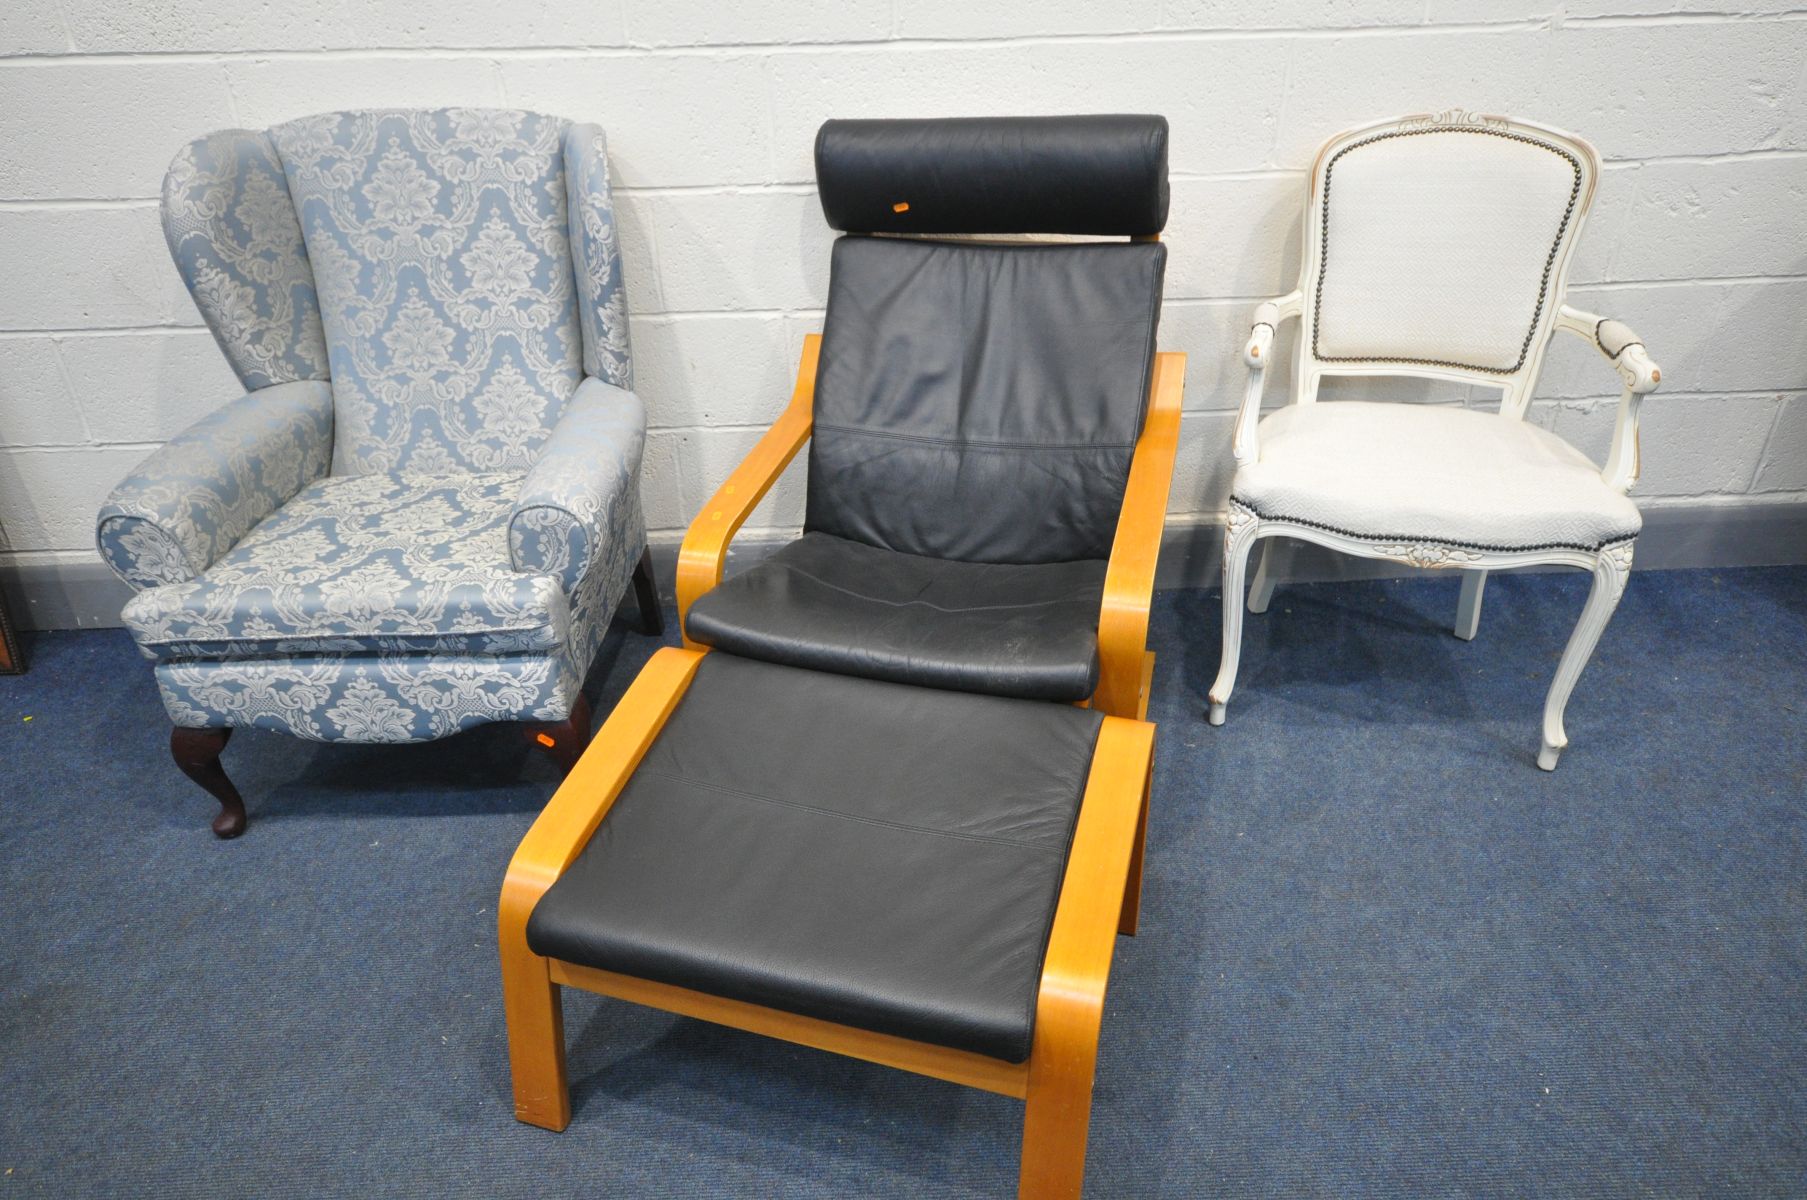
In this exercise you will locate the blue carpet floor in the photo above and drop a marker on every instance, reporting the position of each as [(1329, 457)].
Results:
[(1382, 954)]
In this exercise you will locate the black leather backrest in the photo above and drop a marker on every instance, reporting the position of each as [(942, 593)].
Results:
[(982, 402), (1099, 176)]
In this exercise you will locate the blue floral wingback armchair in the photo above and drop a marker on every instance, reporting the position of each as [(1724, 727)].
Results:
[(423, 513)]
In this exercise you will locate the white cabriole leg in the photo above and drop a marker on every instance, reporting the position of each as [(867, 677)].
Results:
[(1468, 608), (1239, 532), (1275, 555), (1611, 569)]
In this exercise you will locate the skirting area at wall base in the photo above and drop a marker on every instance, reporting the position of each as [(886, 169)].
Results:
[(58, 592)]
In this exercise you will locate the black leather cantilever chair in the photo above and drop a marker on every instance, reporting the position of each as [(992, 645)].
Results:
[(889, 799)]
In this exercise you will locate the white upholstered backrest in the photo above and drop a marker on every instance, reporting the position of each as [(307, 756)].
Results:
[(1438, 245)]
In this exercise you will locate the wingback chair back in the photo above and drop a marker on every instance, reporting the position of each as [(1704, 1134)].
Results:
[(428, 263), (424, 511), (981, 401), (1439, 246)]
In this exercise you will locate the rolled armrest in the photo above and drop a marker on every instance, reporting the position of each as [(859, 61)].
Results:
[(574, 495), (705, 546), (191, 500)]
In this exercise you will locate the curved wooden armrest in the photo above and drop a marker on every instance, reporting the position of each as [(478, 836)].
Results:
[(565, 826), (705, 545), (1135, 551)]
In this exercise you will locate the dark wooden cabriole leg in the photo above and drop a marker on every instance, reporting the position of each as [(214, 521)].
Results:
[(197, 752), (564, 740), (646, 593)]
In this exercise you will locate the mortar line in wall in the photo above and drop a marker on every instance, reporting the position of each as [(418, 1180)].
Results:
[(1230, 409), (799, 187), (736, 427), (727, 49), (768, 103), (62, 370), (495, 66), (1613, 398), (68, 25), (77, 204), (1660, 160), (231, 94), (816, 313), (85, 447), (654, 190), (99, 331), (1769, 438), (1685, 280), (702, 314), (1286, 91), (1614, 20)]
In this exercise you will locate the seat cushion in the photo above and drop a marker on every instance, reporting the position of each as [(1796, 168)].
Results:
[(1411, 472), (364, 563), (873, 854), (830, 604)]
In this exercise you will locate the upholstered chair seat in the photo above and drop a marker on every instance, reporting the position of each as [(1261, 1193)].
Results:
[(1424, 473), (364, 563), (829, 604), (424, 510)]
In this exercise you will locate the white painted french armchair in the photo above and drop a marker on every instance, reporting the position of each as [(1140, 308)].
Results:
[(1441, 252)]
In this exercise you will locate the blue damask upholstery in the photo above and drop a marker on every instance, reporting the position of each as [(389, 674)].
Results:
[(442, 251), (602, 303), (369, 697), (364, 563), (191, 500), (232, 230), (426, 509), (571, 503)]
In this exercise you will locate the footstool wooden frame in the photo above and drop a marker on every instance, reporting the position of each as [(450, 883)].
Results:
[(1099, 897)]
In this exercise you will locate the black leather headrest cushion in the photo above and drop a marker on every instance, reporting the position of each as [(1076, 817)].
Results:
[(1094, 175)]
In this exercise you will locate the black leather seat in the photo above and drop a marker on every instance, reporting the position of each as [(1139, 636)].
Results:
[(830, 604), (874, 854), (976, 409)]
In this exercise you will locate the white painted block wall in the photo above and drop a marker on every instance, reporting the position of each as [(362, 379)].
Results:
[(1698, 239)]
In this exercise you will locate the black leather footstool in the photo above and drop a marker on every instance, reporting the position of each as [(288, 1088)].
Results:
[(872, 854), (926, 879)]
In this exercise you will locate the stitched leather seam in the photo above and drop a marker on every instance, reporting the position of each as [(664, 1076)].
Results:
[(1434, 541), (973, 444), (723, 789), (1088, 601)]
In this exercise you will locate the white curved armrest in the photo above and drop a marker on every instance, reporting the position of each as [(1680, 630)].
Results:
[(1616, 343), (1625, 351), (1256, 352)]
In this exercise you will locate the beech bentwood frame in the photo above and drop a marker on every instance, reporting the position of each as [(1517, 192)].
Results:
[(1100, 893)]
